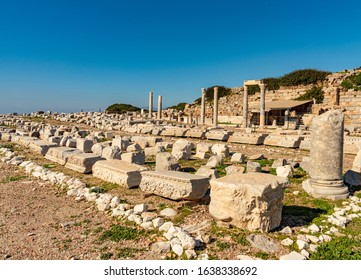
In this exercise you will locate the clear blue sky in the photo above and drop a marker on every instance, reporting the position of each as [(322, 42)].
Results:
[(72, 55)]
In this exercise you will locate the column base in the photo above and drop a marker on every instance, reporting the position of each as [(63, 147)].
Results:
[(333, 190)]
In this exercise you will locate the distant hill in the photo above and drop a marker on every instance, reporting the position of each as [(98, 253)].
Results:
[(121, 108)]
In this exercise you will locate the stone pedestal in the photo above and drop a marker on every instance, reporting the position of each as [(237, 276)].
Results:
[(326, 153)]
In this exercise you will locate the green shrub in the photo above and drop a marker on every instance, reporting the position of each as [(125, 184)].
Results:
[(222, 91), (341, 248), (303, 77), (179, 106), (314, 92), (347, 84), (118, 232), (121, 108)]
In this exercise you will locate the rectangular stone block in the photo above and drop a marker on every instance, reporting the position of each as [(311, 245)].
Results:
[(248, 138), (83, 162), (119, 172), (217, 135), (196, 133), (174, 184), (251, 201), (84, 145), (41, 146), (61, 154)]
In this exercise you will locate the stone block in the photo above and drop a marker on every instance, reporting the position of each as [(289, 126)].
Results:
[(220, 149), (238, 158), (165, 161), (84, 145), (248, 201), (119, 142), (253, 166), (118, 172), (248, 138), (111, 152), (182, 149), (60, 154), (174, 185), (41, 146), (83, 162), (136, 158), (217, 135)]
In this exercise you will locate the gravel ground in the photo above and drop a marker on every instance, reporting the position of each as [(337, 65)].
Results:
[(38, 221)]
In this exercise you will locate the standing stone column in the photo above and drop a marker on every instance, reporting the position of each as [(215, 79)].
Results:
[(262, 106), (203, 107), (245, 107), (179, 117), (287, 114), (215, 106), (150, 104), (326, 154), (159, 113)]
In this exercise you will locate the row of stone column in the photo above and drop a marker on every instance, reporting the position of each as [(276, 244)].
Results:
[(159, 112)]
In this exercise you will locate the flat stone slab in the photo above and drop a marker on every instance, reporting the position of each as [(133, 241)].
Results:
[(248, 138), (24, 140), (251, 201), (174, 184), (83, 162), (217, 135), (119, 172), (41, 146), (61, 154), (196, 133), (287, 141)]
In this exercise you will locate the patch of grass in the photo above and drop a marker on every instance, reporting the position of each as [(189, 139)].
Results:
[(222, 245), (265, 162), (183, 213), (240, 237), (342, 248), (262, 255), (8, 146), (98, 229), (221, 169), (106, 256), (49, 166), (127, 252), (308, 214), (118, 232), (13, 179), (273, 171)]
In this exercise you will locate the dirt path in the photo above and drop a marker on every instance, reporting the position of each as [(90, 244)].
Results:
[(38, 221)]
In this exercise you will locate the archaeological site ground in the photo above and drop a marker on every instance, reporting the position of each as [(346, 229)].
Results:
[(270, 170)]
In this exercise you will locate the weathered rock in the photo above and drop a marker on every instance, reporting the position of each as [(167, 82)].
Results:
[(161, 247), (118, 172), (84, 145), (136, 158), (279, 162), (234, 169), (248, 201), (169, 213), (220, 149), (264, 243), (174, 185), (253, 166), (238, 158), (166, 162), (182, 149), (82, 163), (214, 161), (111, 152), (208, 172), (285, 171), (61, 154), (293, 256)]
